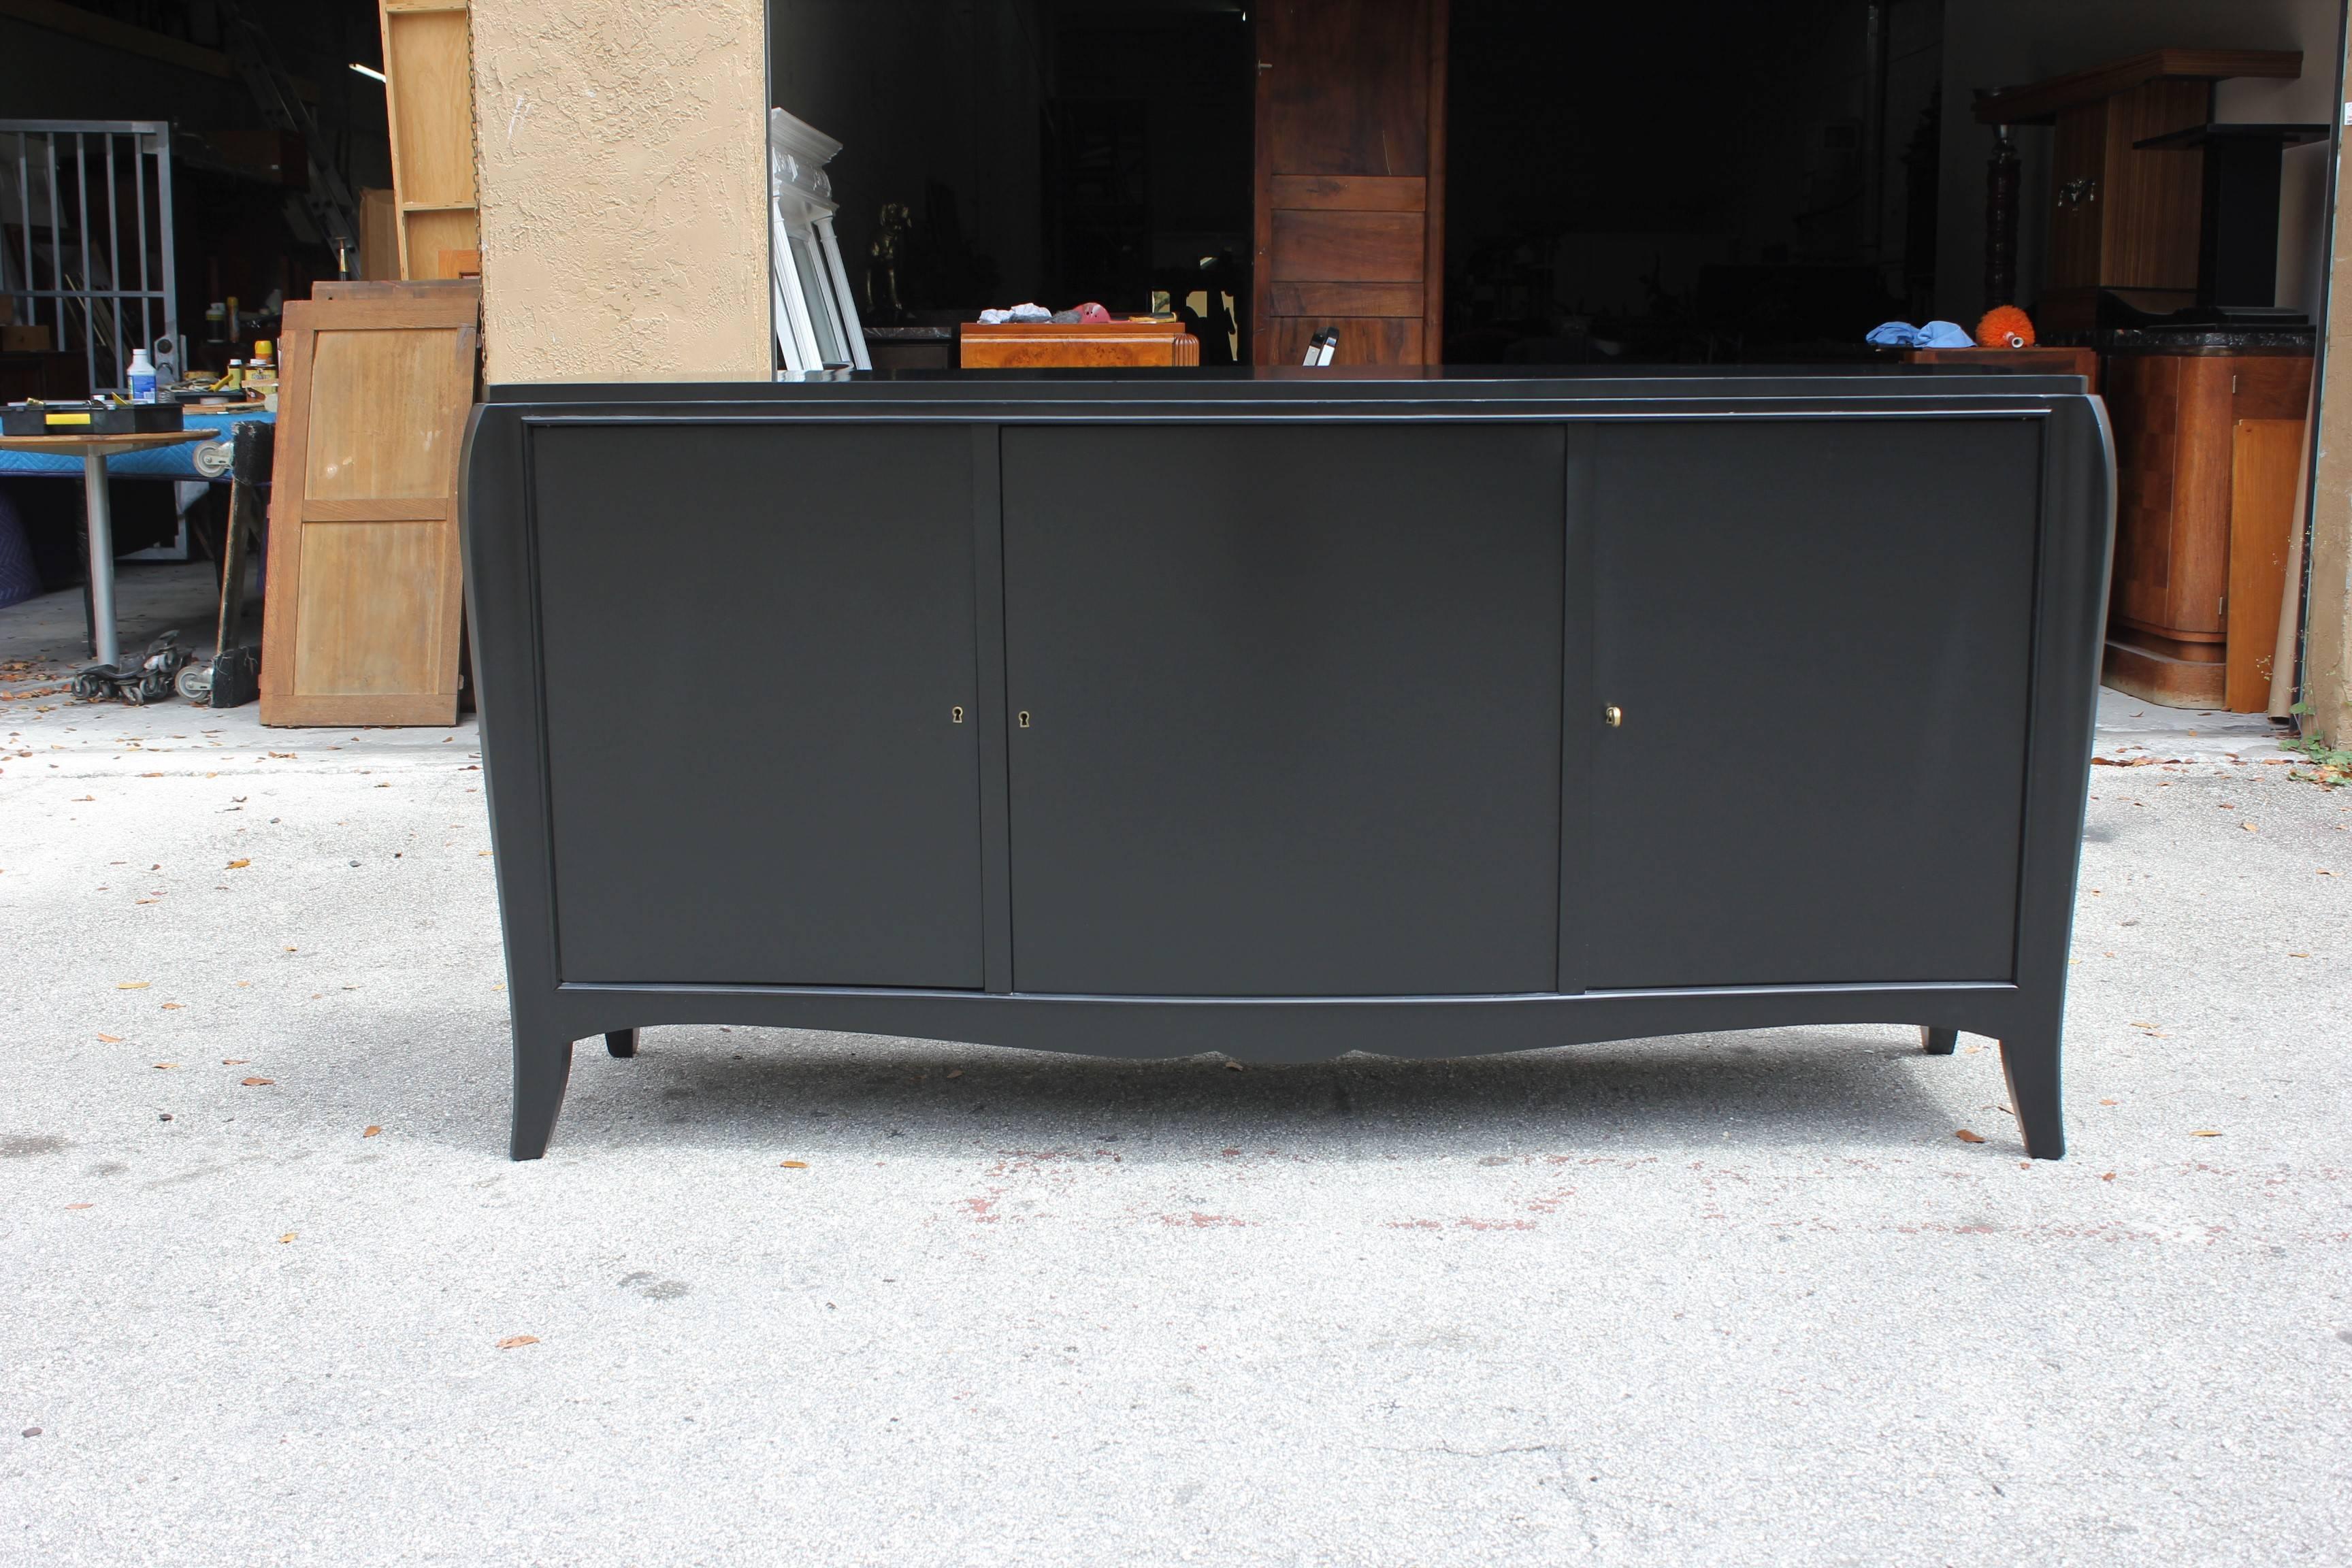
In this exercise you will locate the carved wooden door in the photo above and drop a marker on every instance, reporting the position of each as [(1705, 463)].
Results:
[(1350, 179)]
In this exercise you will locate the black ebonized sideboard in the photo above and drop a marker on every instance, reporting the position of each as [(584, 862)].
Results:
[(1284, 713)]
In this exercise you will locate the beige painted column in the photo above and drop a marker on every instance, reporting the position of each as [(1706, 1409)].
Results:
[(621, 147), (2328, 638)]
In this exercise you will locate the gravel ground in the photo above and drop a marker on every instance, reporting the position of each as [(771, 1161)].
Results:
[(274, 1294)]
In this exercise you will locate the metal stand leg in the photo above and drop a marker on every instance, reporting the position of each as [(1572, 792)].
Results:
[(621, 1042), (104, 649), (1938, 1042)]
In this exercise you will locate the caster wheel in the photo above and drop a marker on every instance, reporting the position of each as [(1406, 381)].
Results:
[(195, 682)]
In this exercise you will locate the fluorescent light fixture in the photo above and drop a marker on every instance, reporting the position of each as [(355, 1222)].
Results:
[(367, 70)]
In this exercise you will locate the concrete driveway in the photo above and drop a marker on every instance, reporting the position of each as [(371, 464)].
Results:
[(274, 1295)]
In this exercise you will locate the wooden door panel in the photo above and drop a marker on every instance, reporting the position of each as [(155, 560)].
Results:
[(2199, 575), (357, 379), (2150, 199), (364, 617), (1349, 88), (1350, 177), (363, 588), (1348, 299), (2266, 480), (2078, 161), (1350, 193), (1348, 247)]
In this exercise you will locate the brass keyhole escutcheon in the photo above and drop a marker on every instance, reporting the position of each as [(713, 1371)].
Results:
[(1024, 717), (1613, 716), (956, 713)]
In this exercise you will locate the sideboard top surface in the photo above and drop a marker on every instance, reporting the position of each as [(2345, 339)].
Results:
[(1273, 386)]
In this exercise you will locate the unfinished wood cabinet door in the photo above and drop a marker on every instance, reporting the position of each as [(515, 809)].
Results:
[(1350, 179), (364, 606), (2263, 480), (428, 66)]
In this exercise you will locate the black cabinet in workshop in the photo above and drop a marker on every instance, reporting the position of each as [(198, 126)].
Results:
[(762, 757), (1819, 634), (1292, 725)]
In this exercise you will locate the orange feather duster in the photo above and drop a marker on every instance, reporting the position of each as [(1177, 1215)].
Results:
[(2005, 327)]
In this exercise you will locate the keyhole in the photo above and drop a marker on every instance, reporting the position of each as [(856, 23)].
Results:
[(1613, 715), (1024, 717), (956, 714)]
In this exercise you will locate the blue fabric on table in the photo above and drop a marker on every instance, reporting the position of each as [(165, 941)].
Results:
[(157, 463), (1934, 335)]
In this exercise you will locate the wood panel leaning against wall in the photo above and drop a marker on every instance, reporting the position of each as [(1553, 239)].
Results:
[(360, 625), (623, 177)]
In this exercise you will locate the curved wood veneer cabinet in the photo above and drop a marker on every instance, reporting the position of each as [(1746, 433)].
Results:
[(1283, 713)]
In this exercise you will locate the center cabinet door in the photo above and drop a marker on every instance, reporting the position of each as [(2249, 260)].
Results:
[(762, 669), (1286, 708)]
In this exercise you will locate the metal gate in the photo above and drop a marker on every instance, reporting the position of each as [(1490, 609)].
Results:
[(86, 236)]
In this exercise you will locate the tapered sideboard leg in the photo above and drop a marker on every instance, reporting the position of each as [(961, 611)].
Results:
[(621, 1042), (2030, 1062), (541, 1068), (1938, 1042)]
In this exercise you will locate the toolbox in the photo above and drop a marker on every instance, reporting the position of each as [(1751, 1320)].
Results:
[(90, 418)]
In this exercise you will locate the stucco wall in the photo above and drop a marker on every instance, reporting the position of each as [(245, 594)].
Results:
[(624, 172)]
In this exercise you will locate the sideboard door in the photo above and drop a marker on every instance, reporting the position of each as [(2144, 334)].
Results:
[(1817, 634), (760, 698), (1286, 707)]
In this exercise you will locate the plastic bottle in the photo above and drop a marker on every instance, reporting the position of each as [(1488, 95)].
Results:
[(141, 376)]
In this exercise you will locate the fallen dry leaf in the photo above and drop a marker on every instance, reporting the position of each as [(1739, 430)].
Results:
[(130, 985), (2108, 1177), (239, 865), (1964, 1136), (166, 1066), (2107, 1102), (796, 1164), (79, 1205), (112, 1040), (1235, 1067), (2204, 1132), (257, 1083), (173, 1007), (371, 1132), (2247, 826), (288, 1237), (233, 1061), (955, 1072), (516, 1342)]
